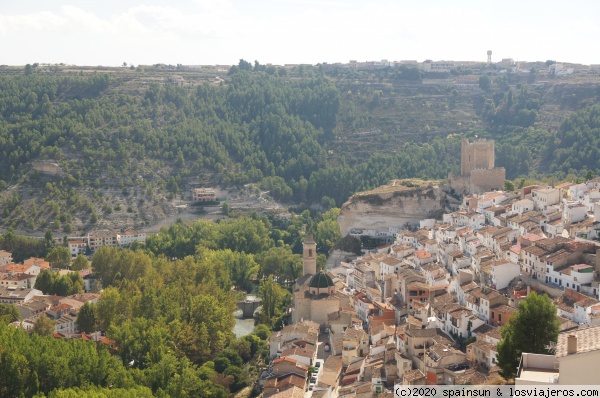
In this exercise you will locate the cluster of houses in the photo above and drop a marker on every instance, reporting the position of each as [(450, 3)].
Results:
[(427, 308), (17, 283)]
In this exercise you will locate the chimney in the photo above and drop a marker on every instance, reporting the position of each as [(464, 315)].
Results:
[(571, 344), (528, 289)]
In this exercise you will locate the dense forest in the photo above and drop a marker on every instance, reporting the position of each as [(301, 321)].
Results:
[(259, 124)]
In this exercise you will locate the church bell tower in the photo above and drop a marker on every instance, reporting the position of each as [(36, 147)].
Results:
[(309, 256)]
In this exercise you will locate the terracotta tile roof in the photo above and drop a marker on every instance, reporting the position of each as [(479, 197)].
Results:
[(421, 332), (469, 286), (285, 359), (536, 251), (292, 392), (588, 302), (495, 333), (17, 267), (588, 339), (471, 376), (483, 346), (413, 375), (418, 285), (422, 254), (483, 329), (389, 260), (288, 380), (308, 351), (64, 307), (333, 363), (565, 306), (504, 309), (354, 366)]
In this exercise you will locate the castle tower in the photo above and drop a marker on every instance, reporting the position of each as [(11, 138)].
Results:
[(309, 256), (476, 155)]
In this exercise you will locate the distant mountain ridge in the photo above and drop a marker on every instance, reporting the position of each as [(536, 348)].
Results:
[(136, 139)]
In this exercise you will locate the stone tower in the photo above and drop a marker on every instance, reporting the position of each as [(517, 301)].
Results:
[(309, 256), (478, 155)]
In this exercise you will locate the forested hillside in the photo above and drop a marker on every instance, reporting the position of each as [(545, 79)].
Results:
[(308, 135)]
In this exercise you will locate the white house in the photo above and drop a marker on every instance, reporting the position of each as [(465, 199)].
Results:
[(435, 274), (572, 277), (522, 206), (461, 322), (544, 197), (590, 198), (577, 191), (504, 271), (127, 238), (77, 246), (574, 212)]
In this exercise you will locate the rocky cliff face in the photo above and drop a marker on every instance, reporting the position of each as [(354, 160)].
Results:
[(392, 205)]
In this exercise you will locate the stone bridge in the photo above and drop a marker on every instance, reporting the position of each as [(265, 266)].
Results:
[(248, 307)]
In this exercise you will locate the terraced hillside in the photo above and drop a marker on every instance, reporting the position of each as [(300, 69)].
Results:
[(128, 144)]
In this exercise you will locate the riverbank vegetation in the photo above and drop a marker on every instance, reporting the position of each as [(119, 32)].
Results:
[(167, 308)]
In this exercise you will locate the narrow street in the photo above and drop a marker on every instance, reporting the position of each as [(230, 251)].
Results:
[(322, 356)]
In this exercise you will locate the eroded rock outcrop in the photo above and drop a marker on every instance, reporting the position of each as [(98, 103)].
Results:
[(392, 205)]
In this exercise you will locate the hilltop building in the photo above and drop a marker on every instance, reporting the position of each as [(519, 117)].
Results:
[(477, 170)]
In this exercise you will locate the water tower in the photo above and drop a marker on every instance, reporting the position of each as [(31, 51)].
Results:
[(489, 53)]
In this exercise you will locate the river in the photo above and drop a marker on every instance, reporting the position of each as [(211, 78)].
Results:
[(243, 326)]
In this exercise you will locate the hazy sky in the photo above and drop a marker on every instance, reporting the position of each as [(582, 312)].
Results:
[(110, 32)]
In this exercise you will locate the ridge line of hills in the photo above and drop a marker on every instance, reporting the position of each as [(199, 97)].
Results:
[(128, 144)]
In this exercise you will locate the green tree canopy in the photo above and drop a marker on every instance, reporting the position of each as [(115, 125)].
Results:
[(86, 318), (59, 257), (9, 313), (43, 326), (80, 263), (273, 298), (531, 330)]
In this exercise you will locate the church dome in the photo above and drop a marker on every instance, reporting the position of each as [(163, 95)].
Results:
[(321, 281)]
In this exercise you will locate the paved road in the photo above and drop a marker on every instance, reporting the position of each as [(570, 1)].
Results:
[(321, 355)]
